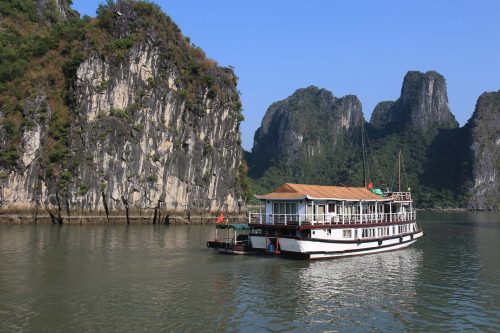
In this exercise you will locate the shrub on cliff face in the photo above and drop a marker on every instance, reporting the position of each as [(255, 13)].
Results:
[(244, 181), (23, 9)]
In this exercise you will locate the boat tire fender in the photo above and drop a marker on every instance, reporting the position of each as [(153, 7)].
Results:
[(358, 241), (411, 236), (379, 242), (401, 239)]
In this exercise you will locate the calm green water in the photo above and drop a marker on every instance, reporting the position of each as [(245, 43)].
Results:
[(162, 278)]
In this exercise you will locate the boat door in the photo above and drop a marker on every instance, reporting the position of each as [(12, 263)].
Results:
[(309, 212), (320, 213)]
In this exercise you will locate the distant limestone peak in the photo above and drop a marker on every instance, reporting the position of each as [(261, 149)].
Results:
[(305, 124), (425, 98), (483, 128), (422, 106), (382, 114)]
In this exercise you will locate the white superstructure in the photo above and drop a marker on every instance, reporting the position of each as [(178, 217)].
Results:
[(311, 221)]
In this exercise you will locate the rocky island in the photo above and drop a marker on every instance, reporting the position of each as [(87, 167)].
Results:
[(118, 114), (310, 137)]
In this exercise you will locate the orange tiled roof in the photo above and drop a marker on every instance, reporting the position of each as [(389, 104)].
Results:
[(302, 191)]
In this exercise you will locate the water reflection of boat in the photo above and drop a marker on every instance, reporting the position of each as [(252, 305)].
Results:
[(236, 241), (374, 285)]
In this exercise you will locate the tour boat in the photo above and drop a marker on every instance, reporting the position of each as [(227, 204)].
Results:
[(314, 222), (236, 240)]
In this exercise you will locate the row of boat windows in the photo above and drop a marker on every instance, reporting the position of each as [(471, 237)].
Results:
[(284, 208), (379, 232)]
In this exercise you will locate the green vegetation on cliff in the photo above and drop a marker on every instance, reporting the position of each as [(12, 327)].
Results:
[(41, 50)]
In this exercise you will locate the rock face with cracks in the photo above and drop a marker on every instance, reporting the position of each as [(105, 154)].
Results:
[(423, 105), (141, 134), (484, 131), (307, 123)]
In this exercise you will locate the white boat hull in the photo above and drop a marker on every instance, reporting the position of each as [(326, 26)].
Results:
[(318, 248)]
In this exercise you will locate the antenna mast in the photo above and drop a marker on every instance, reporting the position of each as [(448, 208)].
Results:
[(399, 171), (363, 152), (364, 155)]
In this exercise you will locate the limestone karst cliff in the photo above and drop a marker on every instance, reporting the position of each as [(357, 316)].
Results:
[(300, 135), (306, 125), (51, 11), (484, 131), (422, 106), (383, 114), (313, 137), (114, 113)]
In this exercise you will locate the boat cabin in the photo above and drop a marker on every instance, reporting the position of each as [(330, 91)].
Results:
[(234, 239), (301, 204)]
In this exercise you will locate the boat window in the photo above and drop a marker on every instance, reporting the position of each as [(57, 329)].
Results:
[(331, 208), (285, 208), (291, 208), (347, 233), (276, 208), (348, 211)]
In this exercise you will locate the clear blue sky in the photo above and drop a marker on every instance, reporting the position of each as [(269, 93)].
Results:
[(349, 47)]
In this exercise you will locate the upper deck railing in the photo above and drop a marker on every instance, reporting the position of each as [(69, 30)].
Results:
[(400, 196), (329, 219)]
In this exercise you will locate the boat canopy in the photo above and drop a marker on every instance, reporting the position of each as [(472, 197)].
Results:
[(233, 226), (318, 192)]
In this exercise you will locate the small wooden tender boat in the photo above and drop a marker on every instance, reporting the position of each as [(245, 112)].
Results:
[(237, 240)]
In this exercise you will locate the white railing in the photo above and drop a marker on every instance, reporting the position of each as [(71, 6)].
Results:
[(329, 219), (401, 196)]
